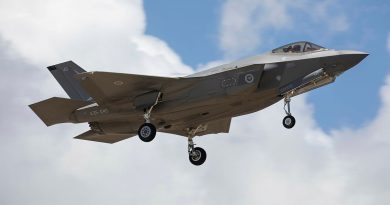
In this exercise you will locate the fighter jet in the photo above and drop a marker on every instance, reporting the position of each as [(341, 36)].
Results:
[(118, 106)]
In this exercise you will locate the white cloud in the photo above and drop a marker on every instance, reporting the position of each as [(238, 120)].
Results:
[(259, 162), (211, 64), (243, 23), (96, 34)]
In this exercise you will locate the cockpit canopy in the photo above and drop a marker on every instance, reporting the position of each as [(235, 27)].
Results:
[(298, 47)]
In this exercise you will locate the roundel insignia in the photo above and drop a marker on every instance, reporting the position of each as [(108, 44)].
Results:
[(249, 78), (118, 83)]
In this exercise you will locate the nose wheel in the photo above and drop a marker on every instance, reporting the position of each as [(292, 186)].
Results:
[(289, 120), (198, 156)]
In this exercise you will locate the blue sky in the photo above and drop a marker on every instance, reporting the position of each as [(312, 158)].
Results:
[(192, 28), (189, 27)]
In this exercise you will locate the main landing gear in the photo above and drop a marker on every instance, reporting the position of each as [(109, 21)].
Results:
[(147, 131), (197, 155), (289, 120)]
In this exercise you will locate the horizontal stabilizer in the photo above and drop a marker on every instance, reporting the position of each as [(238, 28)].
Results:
[(106, 138), (56, 110)]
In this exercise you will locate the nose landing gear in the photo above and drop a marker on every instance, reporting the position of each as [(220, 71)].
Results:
[(289, 120)]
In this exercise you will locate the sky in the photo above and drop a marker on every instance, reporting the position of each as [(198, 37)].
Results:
[(336, 153)]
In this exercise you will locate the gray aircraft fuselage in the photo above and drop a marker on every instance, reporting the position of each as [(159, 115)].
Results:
[(116, 104), (224, 92)]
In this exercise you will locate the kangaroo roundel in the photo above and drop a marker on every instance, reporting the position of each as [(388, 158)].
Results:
[(249, 78)]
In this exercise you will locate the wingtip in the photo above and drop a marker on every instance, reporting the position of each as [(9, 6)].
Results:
[(51, 68), (54, 67)]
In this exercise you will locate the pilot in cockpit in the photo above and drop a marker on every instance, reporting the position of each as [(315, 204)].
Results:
[(298, 47), (292, 49), (287, 49)]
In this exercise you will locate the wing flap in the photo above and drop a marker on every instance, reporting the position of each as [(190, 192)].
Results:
[(105, 138)]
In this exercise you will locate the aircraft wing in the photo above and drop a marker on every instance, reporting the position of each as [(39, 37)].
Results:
[(106, 138), (106, 87), (211, 127)]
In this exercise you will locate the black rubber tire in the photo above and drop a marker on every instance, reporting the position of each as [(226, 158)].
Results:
[(147, 132), (289, 121), (201, 159)]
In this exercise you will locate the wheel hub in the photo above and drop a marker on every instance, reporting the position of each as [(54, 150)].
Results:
[(196, 155), (287, 121), (145, 131)]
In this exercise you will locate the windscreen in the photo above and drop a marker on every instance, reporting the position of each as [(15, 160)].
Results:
[(298, 47)]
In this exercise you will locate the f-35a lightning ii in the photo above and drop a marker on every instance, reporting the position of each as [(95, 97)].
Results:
[(118, 106)]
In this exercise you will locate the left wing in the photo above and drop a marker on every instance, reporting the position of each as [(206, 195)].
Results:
[(106, 87)]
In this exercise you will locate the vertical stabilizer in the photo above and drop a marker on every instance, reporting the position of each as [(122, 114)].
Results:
[(65, 73)]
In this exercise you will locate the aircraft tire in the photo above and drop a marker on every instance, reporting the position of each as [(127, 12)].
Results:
[(289, 121), (147, 132), (200, 158)]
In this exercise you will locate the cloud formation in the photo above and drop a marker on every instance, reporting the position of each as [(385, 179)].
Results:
[(244, 22), (259, 162), (97, 34)]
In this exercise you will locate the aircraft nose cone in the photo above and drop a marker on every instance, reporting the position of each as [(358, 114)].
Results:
[(348, 59), (342, 61), (357, 56), (353, 57)]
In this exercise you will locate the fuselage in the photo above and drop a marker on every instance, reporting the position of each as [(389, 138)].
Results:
[(234, 89), (116, 104), (278, 70)]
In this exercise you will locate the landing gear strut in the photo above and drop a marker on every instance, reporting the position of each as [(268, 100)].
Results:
[(289, 120), (197, 155), (147, 131)]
